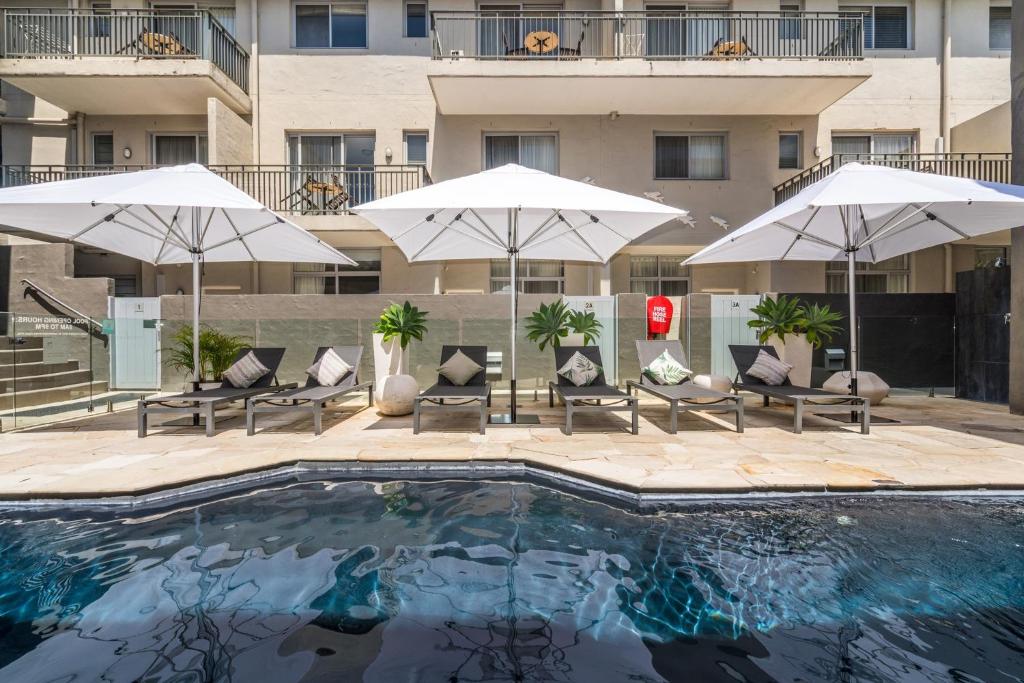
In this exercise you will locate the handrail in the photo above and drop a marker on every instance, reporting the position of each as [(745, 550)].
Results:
[(52, 297)]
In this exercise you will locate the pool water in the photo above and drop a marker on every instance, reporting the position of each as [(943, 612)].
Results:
[(480, 581)]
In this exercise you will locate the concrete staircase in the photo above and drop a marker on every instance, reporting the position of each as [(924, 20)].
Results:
[(23, 371)]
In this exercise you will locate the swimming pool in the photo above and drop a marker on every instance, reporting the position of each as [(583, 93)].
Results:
[(499, 581)]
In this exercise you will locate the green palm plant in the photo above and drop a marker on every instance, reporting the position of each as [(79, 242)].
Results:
[(548, 325), (407, 322), (586, 324), (776, 317), (217, 351), (818, 323)]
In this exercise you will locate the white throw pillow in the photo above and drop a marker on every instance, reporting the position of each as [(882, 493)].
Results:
[(667, 370), (330, 369), (769, 369), (580, 370), (459, 369), (246, 371)]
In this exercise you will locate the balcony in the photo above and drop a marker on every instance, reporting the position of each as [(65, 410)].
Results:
[(125, 61), (651, 62), (290, 190), (991, 167)]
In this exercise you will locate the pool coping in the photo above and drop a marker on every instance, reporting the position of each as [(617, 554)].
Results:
[(621, 495)]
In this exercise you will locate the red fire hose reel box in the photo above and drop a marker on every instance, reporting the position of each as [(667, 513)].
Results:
[(659, 315)]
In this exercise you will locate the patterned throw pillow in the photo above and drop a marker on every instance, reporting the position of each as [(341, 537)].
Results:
[(667, 370), (246, 371), (580, 370), (330, 369), (459, 369), (769, 369)]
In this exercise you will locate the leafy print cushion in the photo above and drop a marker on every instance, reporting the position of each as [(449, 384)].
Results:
[(580, 370), (667, 370)]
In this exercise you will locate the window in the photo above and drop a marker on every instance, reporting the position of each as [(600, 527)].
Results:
[(324, 164), (126, 285), (986, 257), (789, 150), (539, 151), (103, 149), (790, 26), (886, 27), (416, 149), (225, 16), (173, 150), (694, 157), (326, 278), (99, 22), (883, 144), (338, 24), (535, 276), (415, 19), (658, 275), (999, 27), (891, 276)]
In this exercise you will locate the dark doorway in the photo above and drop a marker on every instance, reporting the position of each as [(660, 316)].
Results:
[(983, 334)]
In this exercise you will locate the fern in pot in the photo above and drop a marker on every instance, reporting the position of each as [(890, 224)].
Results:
[(393, 332)]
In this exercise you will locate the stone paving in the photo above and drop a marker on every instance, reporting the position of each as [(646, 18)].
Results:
[(935, 443)]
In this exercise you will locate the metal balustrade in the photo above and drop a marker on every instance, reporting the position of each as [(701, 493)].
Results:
[(652, 34), (994, 167), (296, 190), (145, 34)]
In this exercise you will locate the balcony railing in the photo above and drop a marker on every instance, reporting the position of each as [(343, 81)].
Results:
[(993, 167), (656, 35), (146, 34), (295, 190)]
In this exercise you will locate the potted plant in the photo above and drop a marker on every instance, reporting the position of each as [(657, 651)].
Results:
[(217, 352), (585, 328), (556, 324), (795, 331), (397, 326)]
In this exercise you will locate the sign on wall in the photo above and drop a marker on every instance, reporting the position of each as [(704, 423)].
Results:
[(50, 326)]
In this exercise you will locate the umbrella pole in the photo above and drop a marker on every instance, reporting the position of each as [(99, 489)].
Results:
[(196, 288), (851, 287), (514, 265)]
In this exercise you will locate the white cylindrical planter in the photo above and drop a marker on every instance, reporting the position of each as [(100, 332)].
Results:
[(394, 388), (798, 352), (573, 339)]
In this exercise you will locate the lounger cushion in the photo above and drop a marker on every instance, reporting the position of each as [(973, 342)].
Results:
[(246, 371), (330, 369), (769, 369), (666, 370), (459, 369), (580, 370)]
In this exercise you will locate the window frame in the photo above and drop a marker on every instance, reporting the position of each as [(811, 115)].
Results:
[(526, 264), (330, 25), (799, 149), (914, 136), (689, 134), (519, 134), (336, 272), (92, 147), (198, 135), (1000, 4), (405, 18), (837, 268), (909, 33), (659, 278), (426, 147)]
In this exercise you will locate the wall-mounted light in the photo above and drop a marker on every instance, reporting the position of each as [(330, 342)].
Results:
[(817, 152), (388, 154), (127, 152)]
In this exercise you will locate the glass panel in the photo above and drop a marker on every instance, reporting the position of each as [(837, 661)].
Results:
[(367, 259), (311, 26), (790, 29), (671, 156), (359, 172), (348, 24), (415, 20), (851, 144), (103, 149), (999, 35), (643, 266), (500, 32), (174, 149), (707, 156), (648, 287), (500, 150), (416, 148), (500, 268), (671, 266), (316, 150), (789, 150), (544, 268), (364, 284), (666, 34), (675, 287), (541, 287), (893, 144), (539, 152), (225, 16), (890, 29)]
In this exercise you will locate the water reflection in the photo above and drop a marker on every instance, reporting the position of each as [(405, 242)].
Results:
[(464, 581)]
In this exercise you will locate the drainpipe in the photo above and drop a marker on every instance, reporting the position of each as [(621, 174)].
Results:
[(254, 77), (945, 98), (948, 248), (80, 138)]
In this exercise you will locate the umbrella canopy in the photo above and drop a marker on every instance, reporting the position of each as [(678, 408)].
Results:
[(870, 213), (178, 214), (514, 212), (555, 218)]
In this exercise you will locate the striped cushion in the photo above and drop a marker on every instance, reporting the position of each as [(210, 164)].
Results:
[(246, 371), (330, 369), (769, 369)]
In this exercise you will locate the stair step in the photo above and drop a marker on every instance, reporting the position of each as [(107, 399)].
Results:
[(26, 342), (8, 356), (35, 369), (38, 397), (55, 379)]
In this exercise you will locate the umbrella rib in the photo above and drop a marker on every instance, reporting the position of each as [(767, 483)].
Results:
[(796, 238), (202, 235), (156, 232), (240, 236), (105, 219), (948, 226), (168, 226), (428, 219), (233, 227), (883, 232), (430, 241), (140, 231), (864, 221), (486, 225), (573, 230), (548, 223), (808, 236), (497, 242)]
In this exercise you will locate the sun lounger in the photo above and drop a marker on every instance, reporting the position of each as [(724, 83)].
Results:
[(474, 395), (597, 396), (207, 401), (685, 396), (801, 398), (313, 397)]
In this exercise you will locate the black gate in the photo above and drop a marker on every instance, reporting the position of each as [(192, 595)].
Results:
[(983, 334)]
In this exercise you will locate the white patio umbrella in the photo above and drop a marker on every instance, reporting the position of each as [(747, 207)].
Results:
[(178, 214), (870, 213), (514, 212)]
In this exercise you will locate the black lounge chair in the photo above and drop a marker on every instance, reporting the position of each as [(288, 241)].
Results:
[(685, 396), (473, 395), (313, 397), (206, 401), (801, 398), (589, 398)]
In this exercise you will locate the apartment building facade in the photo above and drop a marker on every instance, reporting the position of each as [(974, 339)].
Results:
[(315, 107)]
